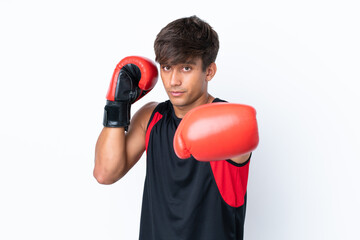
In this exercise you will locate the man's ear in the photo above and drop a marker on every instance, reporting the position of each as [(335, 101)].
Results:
[(210, 71)]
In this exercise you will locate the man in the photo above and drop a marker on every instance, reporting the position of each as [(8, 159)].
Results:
[(197, 153)]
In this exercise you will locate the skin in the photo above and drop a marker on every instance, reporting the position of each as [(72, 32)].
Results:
[(116, 152), (186, 85)]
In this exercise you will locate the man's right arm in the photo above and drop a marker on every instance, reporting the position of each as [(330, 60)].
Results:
[(116, 152)]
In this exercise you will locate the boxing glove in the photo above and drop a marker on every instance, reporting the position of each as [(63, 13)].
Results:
[(217, 131), (133, 77)]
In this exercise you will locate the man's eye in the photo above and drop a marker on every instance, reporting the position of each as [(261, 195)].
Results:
[(186, 69), (166, 68)]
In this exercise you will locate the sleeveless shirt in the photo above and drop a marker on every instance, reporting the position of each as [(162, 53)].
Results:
[(184, 198)]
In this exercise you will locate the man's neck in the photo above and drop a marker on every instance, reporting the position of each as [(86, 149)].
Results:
[(180, 111)]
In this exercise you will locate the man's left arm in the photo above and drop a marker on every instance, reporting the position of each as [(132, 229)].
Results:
[(241, 159), (217, 131)]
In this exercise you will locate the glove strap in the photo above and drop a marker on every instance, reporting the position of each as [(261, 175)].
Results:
[(117, 114)]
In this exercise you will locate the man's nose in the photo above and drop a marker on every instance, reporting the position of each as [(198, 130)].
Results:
[(175, 78)]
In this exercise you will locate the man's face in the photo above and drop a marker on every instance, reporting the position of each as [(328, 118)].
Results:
[(184, 83)]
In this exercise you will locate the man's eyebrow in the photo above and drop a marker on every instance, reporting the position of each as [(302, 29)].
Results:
[(190, 62)]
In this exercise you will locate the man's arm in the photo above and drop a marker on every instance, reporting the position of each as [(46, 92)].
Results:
[(241, 159), (116, 152), (217, 131)]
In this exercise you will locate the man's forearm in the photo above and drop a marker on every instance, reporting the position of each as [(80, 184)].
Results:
[(110, 156)]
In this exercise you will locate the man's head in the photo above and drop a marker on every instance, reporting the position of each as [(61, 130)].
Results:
[(186, 39)]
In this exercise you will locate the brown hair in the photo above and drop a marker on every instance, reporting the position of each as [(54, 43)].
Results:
[(185, 39)]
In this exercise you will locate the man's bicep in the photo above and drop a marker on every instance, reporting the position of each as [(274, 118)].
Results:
[(241, 159), (135, 137)]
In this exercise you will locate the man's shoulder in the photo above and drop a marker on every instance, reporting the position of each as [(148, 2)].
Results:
[(146, 110), (142, 116), (161, 107), (145, 113)]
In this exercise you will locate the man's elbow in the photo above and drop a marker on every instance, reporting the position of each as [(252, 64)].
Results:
[(104, 178)]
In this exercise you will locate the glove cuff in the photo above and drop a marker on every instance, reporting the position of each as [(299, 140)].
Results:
[(117, 114)]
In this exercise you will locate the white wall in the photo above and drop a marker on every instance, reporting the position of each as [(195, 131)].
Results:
[(296, 62)]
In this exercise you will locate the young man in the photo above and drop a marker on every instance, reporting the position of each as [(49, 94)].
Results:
[(197, 153)]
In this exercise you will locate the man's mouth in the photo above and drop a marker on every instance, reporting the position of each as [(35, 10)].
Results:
[(176, 93)]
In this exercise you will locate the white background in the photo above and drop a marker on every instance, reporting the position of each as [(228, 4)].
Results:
[(296, 62)]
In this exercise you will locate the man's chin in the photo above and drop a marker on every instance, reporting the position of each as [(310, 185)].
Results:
[(177, 102)]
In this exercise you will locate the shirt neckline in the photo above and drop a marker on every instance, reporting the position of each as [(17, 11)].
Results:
[(179, 119)]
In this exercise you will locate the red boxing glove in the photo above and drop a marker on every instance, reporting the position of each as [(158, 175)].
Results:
[(145, 79), (217, 131), (133, 77)]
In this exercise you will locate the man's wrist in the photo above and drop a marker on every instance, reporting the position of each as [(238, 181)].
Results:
[(116, 114)]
